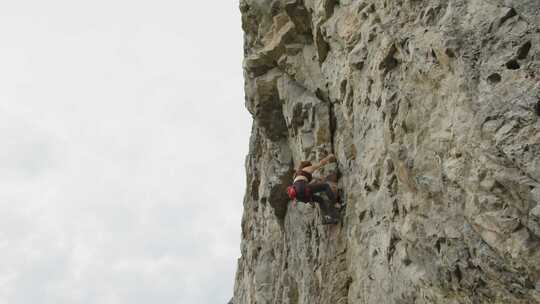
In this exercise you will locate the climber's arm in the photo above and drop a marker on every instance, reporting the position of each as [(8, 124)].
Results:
[(321, 164)]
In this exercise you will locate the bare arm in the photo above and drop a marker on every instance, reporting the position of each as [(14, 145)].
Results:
[(322, 163)]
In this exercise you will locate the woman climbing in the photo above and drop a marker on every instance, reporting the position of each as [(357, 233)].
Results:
[(304, 191)]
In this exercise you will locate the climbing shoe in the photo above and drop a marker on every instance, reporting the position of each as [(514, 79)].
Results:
[(327, 220), (340, 205)]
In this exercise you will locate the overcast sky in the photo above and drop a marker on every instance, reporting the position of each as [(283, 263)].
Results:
[(123, 136)]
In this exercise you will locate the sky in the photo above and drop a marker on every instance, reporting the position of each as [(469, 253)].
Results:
[(123, 134)]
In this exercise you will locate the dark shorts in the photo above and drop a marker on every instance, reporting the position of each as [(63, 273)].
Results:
[(307, 193), (303, 193)]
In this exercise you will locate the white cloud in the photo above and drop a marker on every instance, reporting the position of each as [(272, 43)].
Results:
[(116, 119)]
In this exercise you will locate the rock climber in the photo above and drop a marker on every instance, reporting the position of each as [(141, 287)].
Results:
[(304, 190)]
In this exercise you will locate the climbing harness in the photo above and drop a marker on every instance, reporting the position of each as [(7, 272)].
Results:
[(295, 192), (291, 192)]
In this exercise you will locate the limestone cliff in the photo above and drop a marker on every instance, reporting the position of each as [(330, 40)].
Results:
[(432, 109)]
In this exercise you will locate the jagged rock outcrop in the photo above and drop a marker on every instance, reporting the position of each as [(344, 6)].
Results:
[(432, 109)]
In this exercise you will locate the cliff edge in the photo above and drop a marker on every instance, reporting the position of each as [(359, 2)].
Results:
[(432, 109)]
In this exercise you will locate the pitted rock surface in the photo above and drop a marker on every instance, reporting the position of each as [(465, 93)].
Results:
[(432, 109)]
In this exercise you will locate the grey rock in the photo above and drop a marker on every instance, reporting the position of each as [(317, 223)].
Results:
[(433, 112)]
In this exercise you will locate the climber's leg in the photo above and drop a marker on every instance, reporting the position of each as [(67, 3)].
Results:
[(329, 217), (323, 187), (322, 203)]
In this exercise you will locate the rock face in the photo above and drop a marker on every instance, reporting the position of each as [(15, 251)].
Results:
[(432, 109)]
